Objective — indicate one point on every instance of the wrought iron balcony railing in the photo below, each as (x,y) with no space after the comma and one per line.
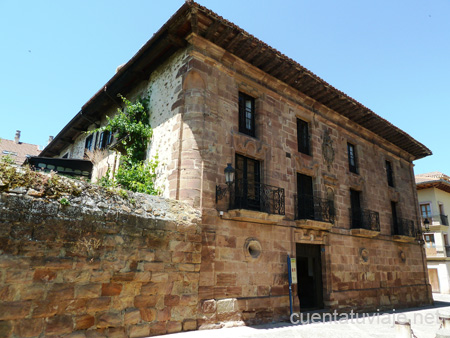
(438,219)
(257,196)
(314,208)
(364,219)
(404,227)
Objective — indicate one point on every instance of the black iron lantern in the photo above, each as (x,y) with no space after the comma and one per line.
(426,223)
(229,174)
(229,180)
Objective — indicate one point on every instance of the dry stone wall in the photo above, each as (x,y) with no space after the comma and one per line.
(94,263)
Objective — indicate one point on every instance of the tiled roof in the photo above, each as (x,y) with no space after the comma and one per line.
(18,151)
(433,179)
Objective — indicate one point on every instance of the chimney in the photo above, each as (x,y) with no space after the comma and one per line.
(50,139)
(17,137)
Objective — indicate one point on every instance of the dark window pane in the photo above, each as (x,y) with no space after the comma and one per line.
(390,174)
(246,114)
(352,158)
(303,136)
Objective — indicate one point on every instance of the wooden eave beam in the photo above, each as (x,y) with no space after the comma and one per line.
(212,29)
(237,39)
(254,51)
(223,36)
(260,58)
(289,75)
(176,40)
(193,18)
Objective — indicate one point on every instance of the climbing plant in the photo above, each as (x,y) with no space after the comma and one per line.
(132,129)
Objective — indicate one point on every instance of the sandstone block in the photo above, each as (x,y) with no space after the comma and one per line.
(88,291)
(148,314)
(132,316)
(172,327)
(84,322)
(109,319)
(98,304)
(44,275)
(6,328)
(138,331)
(14,310)
(163,315)
(116,332)
(157,328)
(111,289)
(59,325)
(29,327)
(171,300)
(189,325)
(226,305)
(145,301)
(61,291)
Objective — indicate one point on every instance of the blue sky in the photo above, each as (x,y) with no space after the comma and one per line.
(392,56)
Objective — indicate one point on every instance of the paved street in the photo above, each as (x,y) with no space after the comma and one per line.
(424,322)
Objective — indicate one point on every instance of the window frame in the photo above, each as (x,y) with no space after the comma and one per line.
(105,139)
(428,212)
(89,142)
(390,173)
(246,123)
(303,137)
(244,174)
(352,157)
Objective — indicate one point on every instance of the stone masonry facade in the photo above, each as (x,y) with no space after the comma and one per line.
(242,267)
(100,265)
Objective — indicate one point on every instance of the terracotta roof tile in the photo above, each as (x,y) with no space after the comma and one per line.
(18,151)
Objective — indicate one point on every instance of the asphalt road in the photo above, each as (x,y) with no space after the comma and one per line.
(424,323)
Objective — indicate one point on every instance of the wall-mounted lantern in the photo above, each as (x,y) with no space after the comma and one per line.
(229,180)
(426,224)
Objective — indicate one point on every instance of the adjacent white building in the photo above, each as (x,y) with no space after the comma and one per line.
(433,190)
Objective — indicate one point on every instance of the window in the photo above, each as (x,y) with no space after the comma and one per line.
(89,142)
(247,114)
(352,158)
(66,155)
(425,211)
(356,212)
(106,138)
(429,241)
(247,178)
(389,173)
(11,153)
(305,197)
(303,136)
(395,227)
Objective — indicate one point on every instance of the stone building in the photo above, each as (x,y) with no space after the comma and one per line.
(318,176)
(433,191)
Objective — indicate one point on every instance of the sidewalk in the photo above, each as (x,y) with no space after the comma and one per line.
(424,323)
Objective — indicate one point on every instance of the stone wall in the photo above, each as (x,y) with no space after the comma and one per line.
(94,263)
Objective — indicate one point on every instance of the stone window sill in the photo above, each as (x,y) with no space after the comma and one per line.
(313,224)
(364,233)
(252,216)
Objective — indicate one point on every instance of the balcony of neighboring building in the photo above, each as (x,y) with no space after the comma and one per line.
(436,246)
(437,222)
(312,212)
(364,222)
